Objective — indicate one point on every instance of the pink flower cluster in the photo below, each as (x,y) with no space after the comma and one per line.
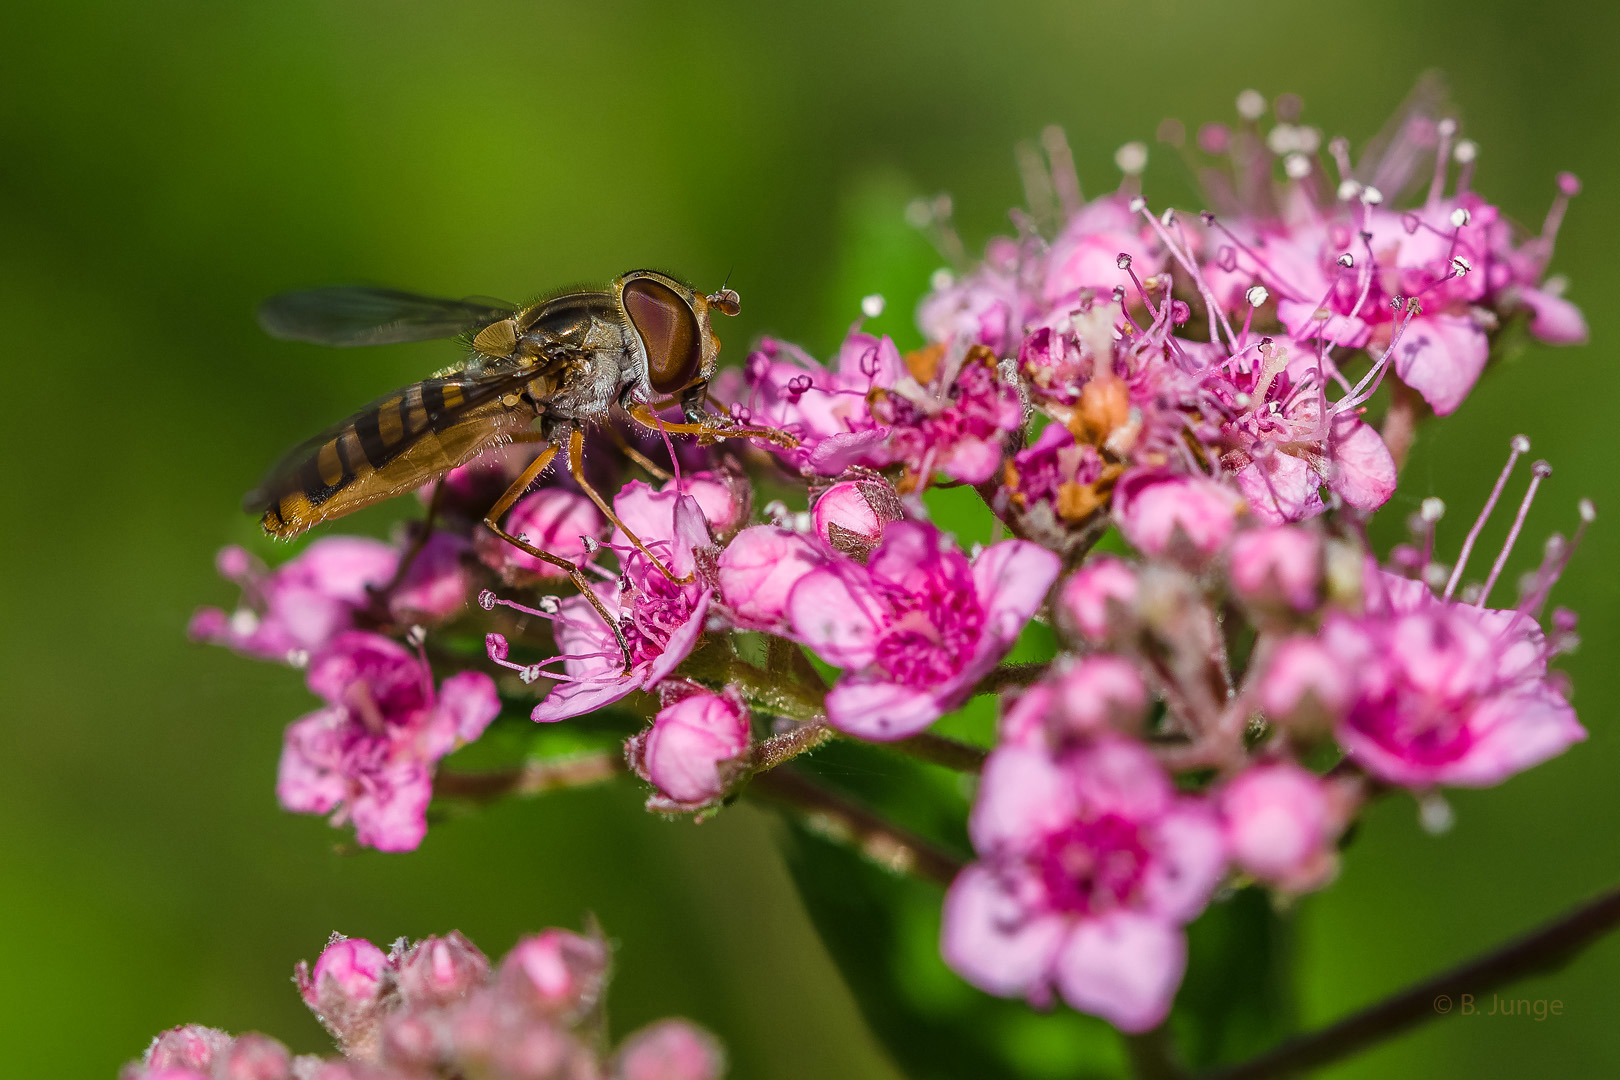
(1230,686)
(438,1008)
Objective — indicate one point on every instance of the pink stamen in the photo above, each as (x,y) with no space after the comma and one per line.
(1519,444)
(1538,472)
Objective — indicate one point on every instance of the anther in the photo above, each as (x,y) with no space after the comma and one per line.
(1371,195)
(416,635)
(1460,217)
(1348,190)
(1297,166)
(1347,260)
(1467,150)
(872,306)
(1587,510)
(1257,295)
(1137,205)
(919,213)
(1447,128)
(1460,265)
(590,544)
(1123,261)
(1432,509)
(1520,444)
(486,599)
(1251,105)
(548,605)
(941,280)
(1131,158)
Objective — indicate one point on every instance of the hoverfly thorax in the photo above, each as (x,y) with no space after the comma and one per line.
(671,324)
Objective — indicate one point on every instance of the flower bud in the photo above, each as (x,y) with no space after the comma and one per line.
(550,519)
(255,1057)
(851,516)
(724,497)
(669,1050)
(1281,822)
(556,972)
(438,583)
(1094,602)
(692,751)
(1098,693)
(759,568)
(346,992)
(1277,567)
(1305,686)
(440,970)
(1186,518)
(189,1047)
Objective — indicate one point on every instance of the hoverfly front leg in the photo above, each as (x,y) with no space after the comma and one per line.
(576,465)
(714,427)
(575,574)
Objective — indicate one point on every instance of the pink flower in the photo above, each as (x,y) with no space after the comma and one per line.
(368,756)
(917,627)
(1444,692)
(1185,516)
(724,497)
(1304,685)
(1095,599)
(1089,865)
(1086,254)
(955,422)
(1278,567)
(552,519)
(693,751)
(669,1050)
(758,570)
(191,1047)
(1082,698)
(1281,825)
(661,620)
(302,604)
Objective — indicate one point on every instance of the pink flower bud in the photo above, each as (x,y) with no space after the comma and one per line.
(1277,567)
(669,1050)
(850,517)
(759,568)
(190,1047)
(558,972)
(550,519)
(724,497)
(438,583)
(1098,693)
(1089,602)
(255,1057)
(1280,824)
(1187,518)
(1305,685)
(690,752)
(439,970)
(346,991)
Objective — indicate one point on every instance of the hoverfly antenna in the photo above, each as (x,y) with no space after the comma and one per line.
(726,300)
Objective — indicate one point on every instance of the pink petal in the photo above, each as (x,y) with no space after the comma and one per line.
(1023,797)
(1554,319)
(1280,488)
(1012,579)
(1441,356)
(1514,733)
(993,941)
(1363,472)
(832,611)
(1124,967)
(759,569)
(468,699)
(880,711)
(391,815)
(567,700)
(1189,861)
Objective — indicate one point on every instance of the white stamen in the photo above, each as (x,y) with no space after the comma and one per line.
(1297,166)
(1371,195)
(1257,295)
(919,213)
(1587,510)
(590,544)
(1307,140)
(1432,509)
(1280,140)
(416,635)
(1460,265)
(1131,158)
(244,621)
(1123,261)
(872,306)
(1137,205)
(1460,217)
(298,658)
(1348,190)
(548,604)
(941,280)
(1467,150)
(1434,575)
(1251,105)
(1556,285)
(1347,260)
(1168,218)
(1447,128)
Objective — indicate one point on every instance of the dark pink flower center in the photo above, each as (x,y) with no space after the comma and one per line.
(1093,866)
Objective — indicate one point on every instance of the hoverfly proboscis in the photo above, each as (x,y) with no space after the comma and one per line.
(535,374)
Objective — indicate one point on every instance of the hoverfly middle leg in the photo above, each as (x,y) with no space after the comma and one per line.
(635,455)
(576,465)
(575,574)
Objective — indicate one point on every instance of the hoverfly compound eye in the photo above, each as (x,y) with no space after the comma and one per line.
(669,330)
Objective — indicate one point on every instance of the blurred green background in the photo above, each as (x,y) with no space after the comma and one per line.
(165,165)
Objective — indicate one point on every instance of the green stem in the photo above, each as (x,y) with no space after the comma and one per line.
(942,750)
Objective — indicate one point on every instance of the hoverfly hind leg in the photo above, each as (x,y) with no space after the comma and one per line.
(575,574)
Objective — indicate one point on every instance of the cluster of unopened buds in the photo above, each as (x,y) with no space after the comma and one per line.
(437,1008)
(1171,418)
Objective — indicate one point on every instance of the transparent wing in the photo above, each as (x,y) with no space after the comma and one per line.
(349,315)
(1397,155)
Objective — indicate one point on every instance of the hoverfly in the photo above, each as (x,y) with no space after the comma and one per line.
(535,374)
